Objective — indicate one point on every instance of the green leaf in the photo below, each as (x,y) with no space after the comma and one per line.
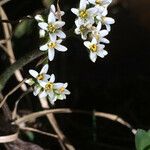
(25,27)
(142,140)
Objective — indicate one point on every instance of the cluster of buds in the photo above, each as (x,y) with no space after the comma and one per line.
(44,85)
(52,27)
(93,25)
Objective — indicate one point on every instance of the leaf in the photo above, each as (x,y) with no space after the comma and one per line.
(25,27)
(142,140)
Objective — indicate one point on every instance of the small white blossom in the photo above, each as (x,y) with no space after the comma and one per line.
(42,76)
(107,21)
(96,49)
(84,14)
(51,46)
(61,90)
(83,29)
(99,34)
(53,27)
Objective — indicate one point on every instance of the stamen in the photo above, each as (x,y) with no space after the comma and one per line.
(93,47)
(51,28)
(83,14)
(40,77)
(49,86)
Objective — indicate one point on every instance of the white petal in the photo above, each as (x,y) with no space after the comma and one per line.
(42,94)
(38,18)
(59,24)
(104,40)
(105,12)
(61,34)
(93,56)
(42,33)
(52,100)
(33,73)
(58,85)
(67,92)
(92,11)
(47,76)
(51,53)
(30,82)
(43,25)
(109,20)
(103,33)
(53,9)
(75,11)
(108,27)
(44,47)
(44,69)
(94,41)
(102,53)
(51,18)
(36,90)
(42,83)
(99,26)
(82,4)
(61,48)
(87,44)
(52,79)
(59,41)
(52,37)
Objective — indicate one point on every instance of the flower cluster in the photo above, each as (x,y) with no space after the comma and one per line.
(53,29)
(44,85)
(93,25)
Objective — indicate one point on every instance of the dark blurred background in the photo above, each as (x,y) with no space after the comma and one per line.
(117,84)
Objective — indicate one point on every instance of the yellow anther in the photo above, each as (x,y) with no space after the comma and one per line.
(82,28)
(62,89)
(51,45)
(49,86)
(98,2)
(83,14)
(93,47)
(40,77)
(51,28)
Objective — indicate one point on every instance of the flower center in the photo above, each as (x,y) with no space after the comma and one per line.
(93,47)
(82,28)
(40,77)
(51,45)
(98,2)
(62,89)
(51,28)
(83,14)
(49,86)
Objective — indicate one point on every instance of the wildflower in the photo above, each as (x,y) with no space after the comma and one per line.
(53,27)
(95,49)
(51,46)
(84,14)
(82,29)
(107,21)
(42,76)
(61,91)
(99,34)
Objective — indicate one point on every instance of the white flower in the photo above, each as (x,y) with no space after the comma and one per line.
(107,21)
(56,13)
(84,15)
(82,29)
(42,76)
(96,49)
(51,46)
(49,89)
(99,34)
(53,27)
(102,3)
(60,89)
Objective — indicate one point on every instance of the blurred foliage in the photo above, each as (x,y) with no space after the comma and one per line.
(142,140)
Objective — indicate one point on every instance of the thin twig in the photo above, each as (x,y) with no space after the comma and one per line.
(112,117)
(38,131)
(11,92)
(64,142)
(4,2)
